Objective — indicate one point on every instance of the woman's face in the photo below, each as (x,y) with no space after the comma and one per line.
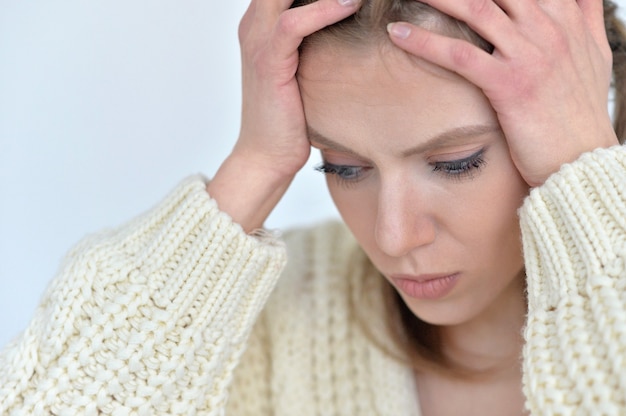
(422,175)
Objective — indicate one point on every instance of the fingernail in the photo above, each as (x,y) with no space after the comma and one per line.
(348,2)
(399,30)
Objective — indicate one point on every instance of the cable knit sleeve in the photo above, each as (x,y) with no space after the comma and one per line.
(147,319)
(574,233)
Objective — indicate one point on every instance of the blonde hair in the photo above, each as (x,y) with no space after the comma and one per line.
(368,26)
(418,340)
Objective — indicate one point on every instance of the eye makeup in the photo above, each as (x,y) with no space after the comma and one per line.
(346,174)
(456,169)
(463,168)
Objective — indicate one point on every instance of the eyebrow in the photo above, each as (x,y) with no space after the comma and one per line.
(451,137)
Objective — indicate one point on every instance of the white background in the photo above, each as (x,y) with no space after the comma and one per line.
(104,107)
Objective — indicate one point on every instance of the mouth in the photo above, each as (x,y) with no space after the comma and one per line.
(426,286)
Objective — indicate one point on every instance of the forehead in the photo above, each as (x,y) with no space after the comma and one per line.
(383,92)
(323,60)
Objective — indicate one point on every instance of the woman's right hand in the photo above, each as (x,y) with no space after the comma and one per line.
(272,144)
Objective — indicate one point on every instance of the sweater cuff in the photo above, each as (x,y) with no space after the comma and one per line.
(574,228)
(152,315)
(200,266)
(182,266)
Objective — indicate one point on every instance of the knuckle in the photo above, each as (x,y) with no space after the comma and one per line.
(323,9)
(462,55)
(480,8)
(287,23)
(242,31)
(246,24)
(558,36)
(424,42)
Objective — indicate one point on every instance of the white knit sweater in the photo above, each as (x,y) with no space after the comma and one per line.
(170,315)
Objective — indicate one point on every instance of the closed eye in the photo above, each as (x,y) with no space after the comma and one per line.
(344,173)
(461,168)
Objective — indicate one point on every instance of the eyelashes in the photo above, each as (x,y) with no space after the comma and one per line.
(458,169)
(461,168)
(345,172)
(346,175)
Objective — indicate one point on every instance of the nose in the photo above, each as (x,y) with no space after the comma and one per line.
(404,222)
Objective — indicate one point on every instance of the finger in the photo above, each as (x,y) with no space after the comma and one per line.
(264,11)
(271,8)
(297,23)
(285,4)
(582,21)
(518,10)
(486,18)
(456,55)
(246,20)
(593,14)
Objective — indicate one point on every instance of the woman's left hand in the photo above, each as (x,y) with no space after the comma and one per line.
(547,79)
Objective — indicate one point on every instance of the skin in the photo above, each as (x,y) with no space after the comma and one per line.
(366,112)
(366,109)
(548,77)
(546,83)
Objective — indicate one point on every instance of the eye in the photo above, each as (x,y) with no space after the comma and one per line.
(345,173)
(461,168)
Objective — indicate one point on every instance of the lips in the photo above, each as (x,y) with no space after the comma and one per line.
(426,286)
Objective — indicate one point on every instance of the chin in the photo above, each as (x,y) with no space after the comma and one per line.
(441,313)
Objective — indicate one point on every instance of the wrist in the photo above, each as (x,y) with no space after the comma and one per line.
(248,190)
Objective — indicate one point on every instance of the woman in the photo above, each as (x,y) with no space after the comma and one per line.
(433,135)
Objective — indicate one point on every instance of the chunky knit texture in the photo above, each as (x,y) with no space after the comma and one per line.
(574,233)
(147,319)
(154,317)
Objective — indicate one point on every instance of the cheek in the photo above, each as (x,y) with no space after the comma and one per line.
(494,210)
(357,206)
(476,220)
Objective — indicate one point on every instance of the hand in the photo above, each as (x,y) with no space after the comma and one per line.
(273,143)
(547,79)
(273,130)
